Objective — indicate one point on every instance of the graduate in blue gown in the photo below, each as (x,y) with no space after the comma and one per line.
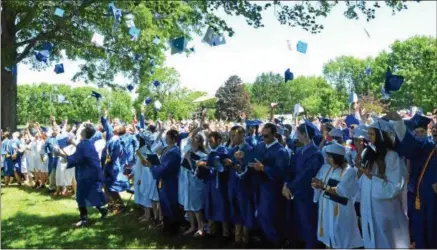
(131,145)
(88,174)
(114,179)
(16,149)
(51,143)
(241,187)
(270,164)
(166,175)
(215,173)
(422,199)
(10,155)
(304,166)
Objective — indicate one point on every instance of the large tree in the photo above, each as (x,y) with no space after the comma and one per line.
(232,99)
(27,24)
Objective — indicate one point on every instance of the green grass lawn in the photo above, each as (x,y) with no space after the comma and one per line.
(33,219)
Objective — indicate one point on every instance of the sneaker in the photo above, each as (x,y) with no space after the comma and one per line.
(81,223)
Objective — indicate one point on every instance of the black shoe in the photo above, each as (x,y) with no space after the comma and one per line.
(103,213)
(51,191)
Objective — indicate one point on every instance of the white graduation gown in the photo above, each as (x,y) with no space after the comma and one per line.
(339,231)
(142,191)
(384,223)
(64,176)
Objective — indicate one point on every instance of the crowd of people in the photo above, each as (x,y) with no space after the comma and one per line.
(352,182)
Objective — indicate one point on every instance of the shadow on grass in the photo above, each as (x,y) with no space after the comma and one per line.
(34,231)
(28,229)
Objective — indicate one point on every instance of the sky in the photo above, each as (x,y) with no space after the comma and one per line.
(253,51)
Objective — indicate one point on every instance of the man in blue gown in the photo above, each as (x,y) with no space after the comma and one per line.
(270,163)
(241,187)
(88,174)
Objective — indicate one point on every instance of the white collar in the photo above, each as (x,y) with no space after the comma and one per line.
(271,144)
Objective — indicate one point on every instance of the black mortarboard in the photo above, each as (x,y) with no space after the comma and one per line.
(148,100)
(96,95)
(59,68)
(392,82)
(418,121)
(288,75)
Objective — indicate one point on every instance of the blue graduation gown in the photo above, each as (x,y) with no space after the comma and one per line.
(269,202)
(14,144)
(88,175)
(304,166)
(48,148)
(8,162)
(166,176)
(131,145)
(423,220)
(242,188)
(115,180)
(216,202)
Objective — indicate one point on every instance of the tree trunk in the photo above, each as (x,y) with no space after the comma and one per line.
(8,100)
(9,78)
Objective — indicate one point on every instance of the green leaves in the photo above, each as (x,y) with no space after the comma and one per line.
(415,60)
(38,102)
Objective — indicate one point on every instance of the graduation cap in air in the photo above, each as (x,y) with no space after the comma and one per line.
(178,45)
(392,82)
(97,39)
(288,75)
(130,20)
(351,120)
(156,40)
(96,95)
(212,38)
(48,46)
(418,121)
(353,97)
(157,104)
(59,68)
(134,32)
(44,129)
(42,56)
(156,83)
(302,47)
(130,87)
(59,12)
(298,109)
(148,100)
(192,49)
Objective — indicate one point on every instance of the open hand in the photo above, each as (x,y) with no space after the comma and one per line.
(316,183)
(239,155)
(258,166)
(286,192)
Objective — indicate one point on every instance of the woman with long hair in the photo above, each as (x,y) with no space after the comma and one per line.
(335,187)
(192,190)
(383,221)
